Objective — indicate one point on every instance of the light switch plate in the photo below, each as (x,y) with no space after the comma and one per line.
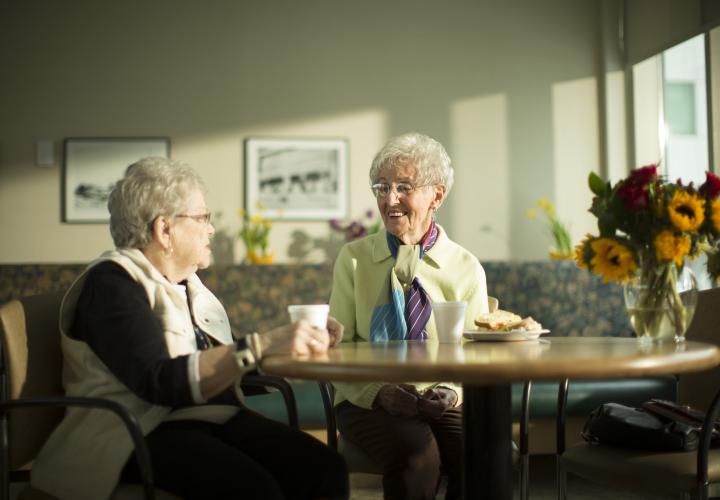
(44,153)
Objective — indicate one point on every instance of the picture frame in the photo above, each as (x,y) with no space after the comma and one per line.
(92,166)
(296,179)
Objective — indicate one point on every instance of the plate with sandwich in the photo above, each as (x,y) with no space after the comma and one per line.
(504,326)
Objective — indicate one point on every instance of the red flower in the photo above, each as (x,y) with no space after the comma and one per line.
(643,176)
(635,197)
(711,187)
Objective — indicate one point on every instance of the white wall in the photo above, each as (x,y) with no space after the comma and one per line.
(497,82)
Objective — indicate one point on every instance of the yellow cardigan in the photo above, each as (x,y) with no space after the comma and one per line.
(447,272)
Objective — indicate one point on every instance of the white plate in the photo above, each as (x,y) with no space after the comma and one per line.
(511,336)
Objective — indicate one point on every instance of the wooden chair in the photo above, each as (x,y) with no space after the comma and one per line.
(689,474)
(32,400)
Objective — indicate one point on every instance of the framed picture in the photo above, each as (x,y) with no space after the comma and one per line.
(296,179)
(92,166)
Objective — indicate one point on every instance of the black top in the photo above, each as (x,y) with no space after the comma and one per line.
(114,318)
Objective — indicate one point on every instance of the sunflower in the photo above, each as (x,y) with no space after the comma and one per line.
(612,260)
(715,217)
(582,252)
(686,210)
(670,246)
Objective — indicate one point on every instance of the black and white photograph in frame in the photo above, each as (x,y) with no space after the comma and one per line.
(92,166)
(296,179)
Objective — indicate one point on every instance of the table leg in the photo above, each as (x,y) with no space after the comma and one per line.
(487,423)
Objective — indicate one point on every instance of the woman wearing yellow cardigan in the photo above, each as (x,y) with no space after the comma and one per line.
(383,285)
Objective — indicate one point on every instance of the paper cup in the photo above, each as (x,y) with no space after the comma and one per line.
(449,320)
(315,314)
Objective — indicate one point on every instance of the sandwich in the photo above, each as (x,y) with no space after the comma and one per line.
(505,321)
(498,320)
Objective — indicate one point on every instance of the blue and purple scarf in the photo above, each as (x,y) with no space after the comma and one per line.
(404,315)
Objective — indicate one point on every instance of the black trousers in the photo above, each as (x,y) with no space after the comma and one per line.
(412,451)
(250,456)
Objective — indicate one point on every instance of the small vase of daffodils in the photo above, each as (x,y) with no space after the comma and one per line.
(254,233)
(563,249)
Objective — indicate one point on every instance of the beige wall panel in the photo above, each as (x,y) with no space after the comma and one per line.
(481,195)
(575,117)
(209,76)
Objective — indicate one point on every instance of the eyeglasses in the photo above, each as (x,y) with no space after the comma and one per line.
(382,189)
(202,218)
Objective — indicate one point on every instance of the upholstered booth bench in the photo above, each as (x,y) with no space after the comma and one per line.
(565,299)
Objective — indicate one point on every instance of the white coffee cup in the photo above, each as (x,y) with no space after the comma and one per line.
(449,320)
(315,314)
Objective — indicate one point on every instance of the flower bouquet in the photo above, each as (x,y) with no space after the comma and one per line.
(559,232)
(647,227)
(254,233)
(355,229)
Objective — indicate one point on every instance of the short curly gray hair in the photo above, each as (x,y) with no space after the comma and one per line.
(151,187)
(427,155)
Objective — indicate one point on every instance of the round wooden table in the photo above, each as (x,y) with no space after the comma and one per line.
(486,370)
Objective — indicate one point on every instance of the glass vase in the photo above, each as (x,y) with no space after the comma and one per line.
(661,302)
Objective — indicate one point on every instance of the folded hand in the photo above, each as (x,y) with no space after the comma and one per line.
(434,402)
(335,330)
(299,338)
(400,400)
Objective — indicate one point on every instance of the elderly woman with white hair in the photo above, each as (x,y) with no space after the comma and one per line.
(382,288)
(138,327)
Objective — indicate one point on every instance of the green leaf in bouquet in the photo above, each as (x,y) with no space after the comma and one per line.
(597,185)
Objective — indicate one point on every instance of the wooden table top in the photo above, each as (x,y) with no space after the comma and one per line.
(485,363)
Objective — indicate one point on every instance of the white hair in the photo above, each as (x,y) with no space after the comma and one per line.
(151,187)
(427,155)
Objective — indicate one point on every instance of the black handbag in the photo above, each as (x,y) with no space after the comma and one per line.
(670,410)
(618,425)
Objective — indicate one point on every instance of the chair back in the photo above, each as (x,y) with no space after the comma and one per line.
(698,389)
(30,366)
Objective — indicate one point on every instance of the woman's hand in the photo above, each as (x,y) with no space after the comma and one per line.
(434,402)
(299,338)
(335,329)
(400,400)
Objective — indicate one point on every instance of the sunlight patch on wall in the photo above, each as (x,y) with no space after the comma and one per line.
(478,206)
(647,94)
(576,151)
(616,130)
(219,159)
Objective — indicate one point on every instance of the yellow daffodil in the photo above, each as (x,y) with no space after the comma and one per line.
(254,233)
(561,235)
(686,211)
(612,260)
(546,205)
(671,247)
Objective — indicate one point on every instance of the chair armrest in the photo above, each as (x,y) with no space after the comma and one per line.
(131,424)
(327,393)
(283,386)
(563,389)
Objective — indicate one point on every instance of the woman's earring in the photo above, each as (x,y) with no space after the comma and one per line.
(167,252)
